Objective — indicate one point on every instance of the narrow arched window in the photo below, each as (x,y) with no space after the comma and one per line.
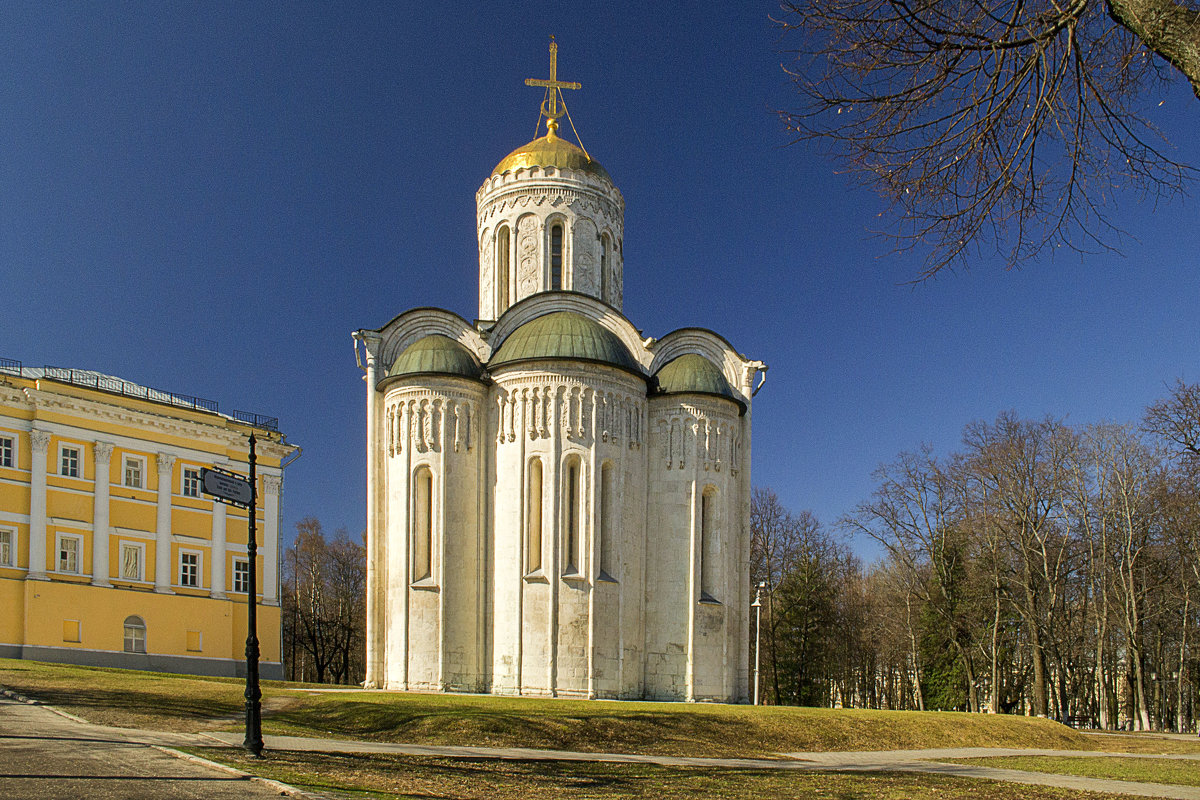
(556,256)
(573,526)
(135,635)
(709,564)
(533,518)
(502,270)
(604,260)
(422,524)
(608,555)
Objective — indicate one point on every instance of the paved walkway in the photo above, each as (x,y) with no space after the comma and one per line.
(48,754)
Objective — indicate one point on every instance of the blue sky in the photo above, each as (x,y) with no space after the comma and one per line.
(209,198)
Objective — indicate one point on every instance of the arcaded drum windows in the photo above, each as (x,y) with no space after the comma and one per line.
(502,269)
(533,518)
(709,564)
(422,524)
(556,256)
(572,527)
(135,635)
(605,258)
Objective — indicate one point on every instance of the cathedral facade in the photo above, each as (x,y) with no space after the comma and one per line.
(556,505)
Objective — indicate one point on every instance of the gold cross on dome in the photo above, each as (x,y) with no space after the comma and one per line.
(554,85)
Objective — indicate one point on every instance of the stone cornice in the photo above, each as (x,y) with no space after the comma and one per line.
(154,424)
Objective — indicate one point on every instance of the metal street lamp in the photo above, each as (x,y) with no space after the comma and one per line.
(757,606)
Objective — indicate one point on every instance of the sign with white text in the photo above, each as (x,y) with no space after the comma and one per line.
(227,487)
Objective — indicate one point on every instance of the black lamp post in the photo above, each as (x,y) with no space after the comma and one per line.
(253,741)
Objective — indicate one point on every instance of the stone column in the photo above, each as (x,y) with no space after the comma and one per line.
(40,441)
(102,452)
(162,528)
(270,542)
(218,550)
(375,553)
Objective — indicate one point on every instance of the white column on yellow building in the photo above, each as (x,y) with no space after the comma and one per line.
(162,528)
(218,550)
(102,452)
(40,441)
(270,544)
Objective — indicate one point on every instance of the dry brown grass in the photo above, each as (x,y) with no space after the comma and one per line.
(377,776)
(150,700)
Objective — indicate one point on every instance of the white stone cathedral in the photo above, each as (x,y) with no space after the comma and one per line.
(555,505)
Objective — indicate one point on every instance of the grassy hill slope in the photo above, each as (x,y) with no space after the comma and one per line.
(155,700)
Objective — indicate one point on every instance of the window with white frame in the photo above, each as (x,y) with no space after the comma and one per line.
(8,451)
(241,575)
(135,471)
(191,482)
(8,547)
(189,568)
(135,635)
(68,459)
(69,550)
(133,559)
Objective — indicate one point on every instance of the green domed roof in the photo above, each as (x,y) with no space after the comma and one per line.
(436,354)
(551,151)
(693,373)
(565,334)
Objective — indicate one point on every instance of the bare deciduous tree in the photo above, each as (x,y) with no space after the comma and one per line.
(1009,123)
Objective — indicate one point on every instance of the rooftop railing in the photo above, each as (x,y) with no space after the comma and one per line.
(105,383)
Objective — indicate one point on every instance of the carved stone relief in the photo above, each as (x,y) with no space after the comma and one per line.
(528,268)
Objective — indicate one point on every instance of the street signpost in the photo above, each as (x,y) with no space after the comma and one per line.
(232,489)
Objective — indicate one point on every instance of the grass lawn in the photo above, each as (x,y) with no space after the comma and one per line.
(368,776)
(154,700)
(1151,770)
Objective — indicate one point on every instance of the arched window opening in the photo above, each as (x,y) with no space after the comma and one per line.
(135,635)
(422,524)
(608,545)
(502,270)
(533,518)
(556,256)
(572,527)
(604,260)
(709,545)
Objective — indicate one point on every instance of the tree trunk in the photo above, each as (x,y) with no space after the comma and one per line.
(1170,29)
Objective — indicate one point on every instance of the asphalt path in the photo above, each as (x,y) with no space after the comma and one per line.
(47,756)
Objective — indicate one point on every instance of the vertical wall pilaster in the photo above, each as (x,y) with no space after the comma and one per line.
(40,443)
(162,526)
(270,544)
(102,453)
(218,550)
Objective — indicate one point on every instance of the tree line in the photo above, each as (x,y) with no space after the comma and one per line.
(1043,568)
(323,606)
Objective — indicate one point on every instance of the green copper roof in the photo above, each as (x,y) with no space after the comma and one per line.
(437,354)
(693,373)
(565,334)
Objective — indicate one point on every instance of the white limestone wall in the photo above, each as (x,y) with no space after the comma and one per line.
(552,633)
(437,634)
(528,202)
(693,625)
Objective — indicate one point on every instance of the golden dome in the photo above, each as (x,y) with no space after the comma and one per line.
(551,151)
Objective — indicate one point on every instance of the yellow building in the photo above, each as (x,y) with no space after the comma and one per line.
(110,553)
